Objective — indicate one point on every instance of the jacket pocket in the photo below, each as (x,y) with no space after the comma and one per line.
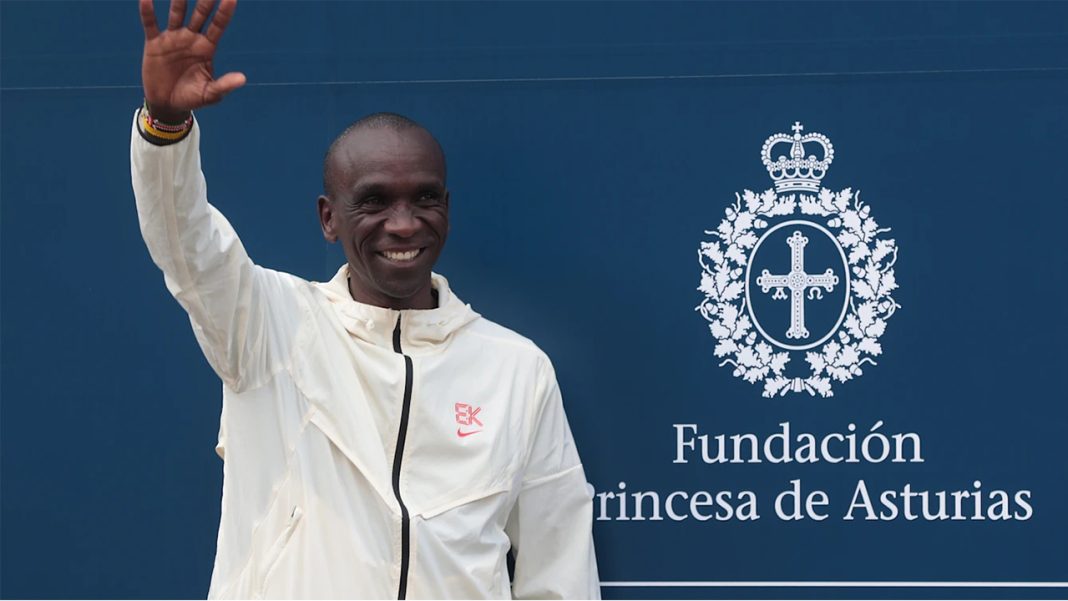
(274,553)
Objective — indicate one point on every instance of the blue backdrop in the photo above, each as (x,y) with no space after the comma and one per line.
(591,146)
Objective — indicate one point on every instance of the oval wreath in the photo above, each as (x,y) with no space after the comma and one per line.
(871,262)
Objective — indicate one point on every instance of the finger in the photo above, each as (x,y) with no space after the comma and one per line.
(200,15)
(222,86)
(177,14)
(148,19)
(221,20)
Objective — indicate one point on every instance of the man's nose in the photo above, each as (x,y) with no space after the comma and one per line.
(401,221)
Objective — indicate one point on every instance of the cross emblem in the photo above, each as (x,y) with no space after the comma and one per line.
(798,282)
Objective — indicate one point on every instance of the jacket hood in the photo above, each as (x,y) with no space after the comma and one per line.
(421,329)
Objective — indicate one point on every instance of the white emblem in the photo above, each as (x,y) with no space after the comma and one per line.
(798,269)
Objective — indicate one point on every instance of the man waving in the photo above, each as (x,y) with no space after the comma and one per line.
(380,438)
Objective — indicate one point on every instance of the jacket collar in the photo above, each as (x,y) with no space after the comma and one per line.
(421,330)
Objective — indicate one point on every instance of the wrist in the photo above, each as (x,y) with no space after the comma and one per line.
(162,131)
(167,116)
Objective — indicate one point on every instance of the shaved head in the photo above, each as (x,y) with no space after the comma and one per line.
(336,167)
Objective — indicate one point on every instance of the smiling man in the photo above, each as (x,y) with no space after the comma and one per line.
(379,437)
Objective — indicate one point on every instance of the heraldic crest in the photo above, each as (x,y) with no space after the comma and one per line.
(798,279)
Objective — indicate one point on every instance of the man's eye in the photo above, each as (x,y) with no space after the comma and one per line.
(429,197)
(371,201)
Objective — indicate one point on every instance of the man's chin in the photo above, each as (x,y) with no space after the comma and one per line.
(404,292)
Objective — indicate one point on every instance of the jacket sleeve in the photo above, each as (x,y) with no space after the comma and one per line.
(551,524)
(229,299)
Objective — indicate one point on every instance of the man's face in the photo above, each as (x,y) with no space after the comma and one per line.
(389,208)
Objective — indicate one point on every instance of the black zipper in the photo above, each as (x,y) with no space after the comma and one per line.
(402,589)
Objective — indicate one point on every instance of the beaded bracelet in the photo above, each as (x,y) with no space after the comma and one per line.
(157,131)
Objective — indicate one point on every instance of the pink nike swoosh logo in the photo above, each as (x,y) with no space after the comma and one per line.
(461,433)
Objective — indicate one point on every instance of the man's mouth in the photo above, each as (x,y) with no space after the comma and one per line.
(401,256)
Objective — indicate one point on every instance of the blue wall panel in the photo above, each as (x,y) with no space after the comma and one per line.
(590,146)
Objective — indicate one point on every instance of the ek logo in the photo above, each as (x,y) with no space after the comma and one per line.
(466,415)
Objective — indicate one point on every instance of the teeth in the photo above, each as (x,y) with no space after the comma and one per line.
(407,255)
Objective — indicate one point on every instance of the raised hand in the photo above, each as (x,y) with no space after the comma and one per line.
(176,69)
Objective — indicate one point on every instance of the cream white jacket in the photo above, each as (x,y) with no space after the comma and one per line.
(367,452)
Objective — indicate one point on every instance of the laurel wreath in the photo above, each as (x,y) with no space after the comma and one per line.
(871,260)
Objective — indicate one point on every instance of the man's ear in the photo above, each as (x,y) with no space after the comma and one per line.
(326,219)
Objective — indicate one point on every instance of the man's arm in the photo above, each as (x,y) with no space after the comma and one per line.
(550,526)
(204,264)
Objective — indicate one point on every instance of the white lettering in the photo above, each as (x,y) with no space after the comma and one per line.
(884,444)
(1023,498)
(861,492)
(681,443)
(639,514)
(784,436)
(700,499)
(669,506)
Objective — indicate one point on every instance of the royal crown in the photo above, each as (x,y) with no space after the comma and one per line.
(797,171)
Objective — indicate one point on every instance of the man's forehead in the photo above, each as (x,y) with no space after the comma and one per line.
(385,145)
(397,154)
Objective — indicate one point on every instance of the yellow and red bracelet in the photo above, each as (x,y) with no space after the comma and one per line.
(160,131)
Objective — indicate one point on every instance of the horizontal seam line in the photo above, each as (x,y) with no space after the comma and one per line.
(578,79)
(831,584)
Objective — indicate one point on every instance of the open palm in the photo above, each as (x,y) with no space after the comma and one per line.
(176,69)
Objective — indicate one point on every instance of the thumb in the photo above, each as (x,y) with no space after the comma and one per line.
(222,86)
